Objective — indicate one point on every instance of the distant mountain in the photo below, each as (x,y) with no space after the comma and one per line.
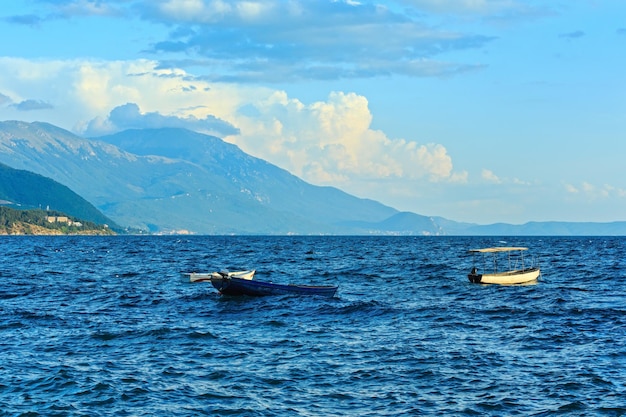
(540,229)
(407,224)
(404,223)
(176,180)
(248,180)
(24,189)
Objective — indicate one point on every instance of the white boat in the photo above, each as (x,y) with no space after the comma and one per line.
(207,276)
(517,272)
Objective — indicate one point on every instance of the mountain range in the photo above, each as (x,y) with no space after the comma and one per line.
(173,180)
(177,181)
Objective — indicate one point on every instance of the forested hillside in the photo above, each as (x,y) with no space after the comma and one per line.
(28,190)
(40,222)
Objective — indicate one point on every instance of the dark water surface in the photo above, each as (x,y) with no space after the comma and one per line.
(95,326)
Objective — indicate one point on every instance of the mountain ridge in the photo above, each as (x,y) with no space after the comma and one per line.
(233,193)
(172,180)
(25,189)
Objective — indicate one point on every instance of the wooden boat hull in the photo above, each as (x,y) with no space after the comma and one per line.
(506,278)
(237,286)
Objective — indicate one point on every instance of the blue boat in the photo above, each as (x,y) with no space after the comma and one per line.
(231,285)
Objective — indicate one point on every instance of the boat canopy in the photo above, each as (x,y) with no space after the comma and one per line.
(498,249)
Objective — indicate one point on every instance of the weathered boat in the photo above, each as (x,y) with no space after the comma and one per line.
(206,276)
(233,285)
(518,271)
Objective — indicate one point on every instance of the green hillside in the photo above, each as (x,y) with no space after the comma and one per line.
(28,190)
(38,222)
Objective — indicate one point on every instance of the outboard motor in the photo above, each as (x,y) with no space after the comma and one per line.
(474,276)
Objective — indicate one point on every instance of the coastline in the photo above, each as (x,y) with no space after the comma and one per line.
(25,229)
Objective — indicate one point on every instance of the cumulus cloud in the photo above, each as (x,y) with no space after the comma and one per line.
(128,116)
(489,175)
(331,142)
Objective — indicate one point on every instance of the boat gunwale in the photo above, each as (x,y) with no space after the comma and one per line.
(250,287)
(269,284)
(511,273)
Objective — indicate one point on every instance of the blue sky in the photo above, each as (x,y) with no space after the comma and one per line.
(481,111)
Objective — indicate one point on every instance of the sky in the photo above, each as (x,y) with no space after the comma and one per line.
(479,111)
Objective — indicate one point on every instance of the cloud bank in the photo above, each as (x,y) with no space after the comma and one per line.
(327,142)
(274,41)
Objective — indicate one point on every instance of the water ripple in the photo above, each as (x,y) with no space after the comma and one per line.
(95,326)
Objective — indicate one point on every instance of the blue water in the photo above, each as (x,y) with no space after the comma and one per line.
(99,326)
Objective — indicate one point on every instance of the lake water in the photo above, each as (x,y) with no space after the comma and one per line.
(98,326)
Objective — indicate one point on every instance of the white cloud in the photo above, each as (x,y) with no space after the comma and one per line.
(331,141)
(325,142)
(211,11)
(459,177)
(490,176)
(590,191)
(277,41)
(83,90)
(191,9)
(587,188)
